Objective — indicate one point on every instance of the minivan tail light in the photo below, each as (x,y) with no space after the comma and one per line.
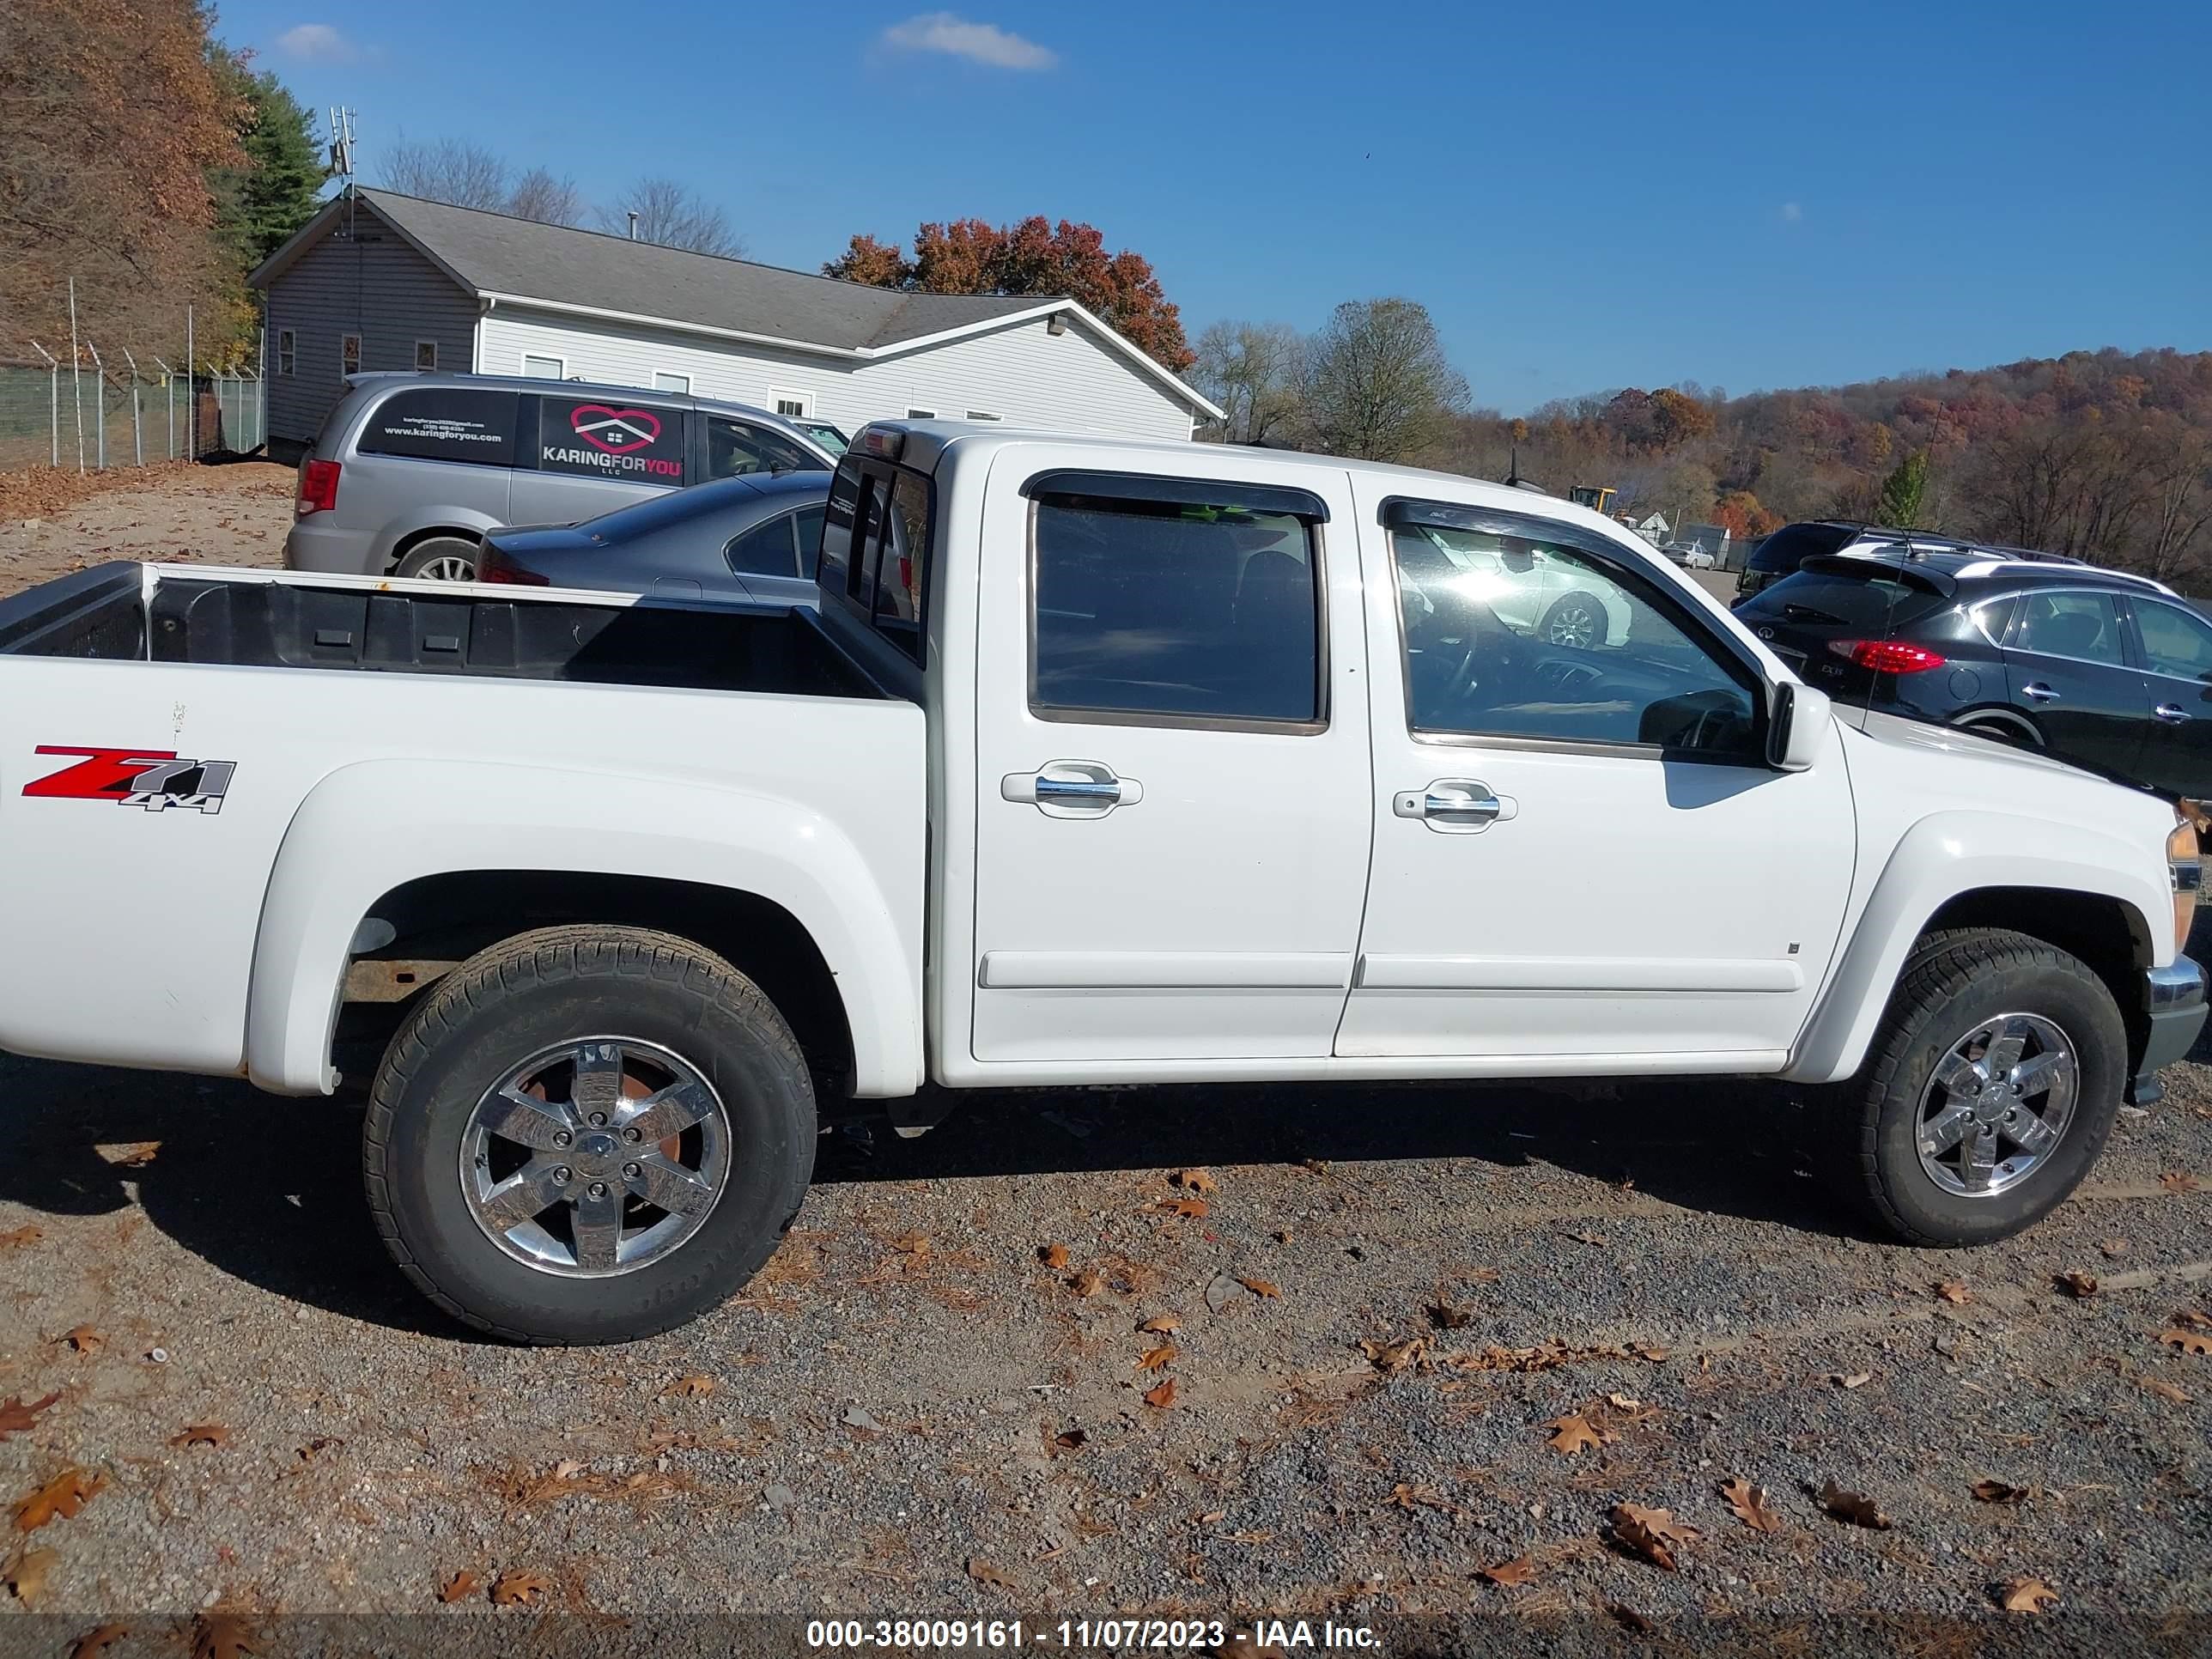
(319,488)
(1887,656)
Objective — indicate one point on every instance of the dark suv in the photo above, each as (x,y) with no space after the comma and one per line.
(2110,671)
(1782,553)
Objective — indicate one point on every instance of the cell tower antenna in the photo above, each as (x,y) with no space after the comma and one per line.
(342,141)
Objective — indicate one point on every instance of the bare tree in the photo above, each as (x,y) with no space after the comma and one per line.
(1254,371)
(551,201)
(669,214)
(1378,385)
(447,170)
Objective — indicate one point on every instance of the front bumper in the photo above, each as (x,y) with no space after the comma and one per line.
(2174,1011)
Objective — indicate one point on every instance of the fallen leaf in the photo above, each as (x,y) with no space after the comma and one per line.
(1572,1433)
(1161,1325)
(1162,1397)
(2114,1247)
(1054,1256)
(223,1635)
(136,1156)
(911,1244)
(517,1588)
(1190,1209)
(690,1388)
(1849,1380)
(1070,1439)
(1653,1534)
(1391,1357)
(1445,1317)
(1507,1574)
(984,1573)
(1259,1287)
(2178,1181)
(95,1641)
(1853,1507)
(1627,1618)
(2075,1284)
(2027,1595)
(1195,1181)
(201,1434)
(1954,1291)
(27,1575)
(63,1496)
(16,1236)
(15,1416)
(83,1339)
(1086,1282)
(1996,1491)
(2191,1316)
(2189,1341)
(1156,1357)
(461,1586)
(1750,1504)
(2167,1391)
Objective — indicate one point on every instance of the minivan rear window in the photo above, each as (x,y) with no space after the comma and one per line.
(630,442)
(443,423)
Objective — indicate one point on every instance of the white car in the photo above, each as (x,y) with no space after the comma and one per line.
(1101,762)
(1690,556)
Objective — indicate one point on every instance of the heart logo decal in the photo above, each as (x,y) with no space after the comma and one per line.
(616,431)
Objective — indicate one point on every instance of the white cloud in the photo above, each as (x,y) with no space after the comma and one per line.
(1791,213)
(316,43)
(979,43)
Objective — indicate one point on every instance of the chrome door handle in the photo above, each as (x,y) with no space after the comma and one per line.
(2172,712)
(2037,691)
(1071,789)
(1461,806)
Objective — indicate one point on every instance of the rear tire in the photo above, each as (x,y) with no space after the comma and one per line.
(650,1012)
(440,559)
(1577,620)
(2013,1129)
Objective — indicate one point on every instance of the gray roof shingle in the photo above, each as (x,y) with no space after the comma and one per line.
(493,253)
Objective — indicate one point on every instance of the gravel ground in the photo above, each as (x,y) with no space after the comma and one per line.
(1394,1298)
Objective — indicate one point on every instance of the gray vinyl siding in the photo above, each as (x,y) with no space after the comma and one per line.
(381,289)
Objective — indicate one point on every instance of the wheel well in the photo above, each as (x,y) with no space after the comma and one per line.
(2103,933)
(2000,716)
(415,538)
(450,917)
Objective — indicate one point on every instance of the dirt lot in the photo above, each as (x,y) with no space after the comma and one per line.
(206,514)
(1421,1333)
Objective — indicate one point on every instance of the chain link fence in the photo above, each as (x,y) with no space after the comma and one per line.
(118,405)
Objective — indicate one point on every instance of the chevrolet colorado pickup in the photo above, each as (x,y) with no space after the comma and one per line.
(1100,762)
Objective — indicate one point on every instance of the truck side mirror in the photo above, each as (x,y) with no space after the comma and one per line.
(1798,726)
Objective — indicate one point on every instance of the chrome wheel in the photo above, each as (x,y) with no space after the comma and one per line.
(1572,623)
(450,568)
(596,1158)
(1998,1105)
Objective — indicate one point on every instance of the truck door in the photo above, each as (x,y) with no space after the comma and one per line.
(1172,771)
(1579,852)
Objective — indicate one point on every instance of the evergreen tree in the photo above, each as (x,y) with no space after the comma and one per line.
(1903,493)
(279,188)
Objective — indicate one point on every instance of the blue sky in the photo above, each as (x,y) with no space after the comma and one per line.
(1585,196)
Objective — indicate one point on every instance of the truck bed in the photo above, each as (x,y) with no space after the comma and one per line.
(148,613)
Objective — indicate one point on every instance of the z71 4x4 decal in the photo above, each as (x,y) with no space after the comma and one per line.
(155,779)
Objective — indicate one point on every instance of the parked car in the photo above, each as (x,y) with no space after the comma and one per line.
(647,892)
(751,538)
(1691,556)
(1530,589)
(1778,555)
(409,471)
(832,438)
(2109,671)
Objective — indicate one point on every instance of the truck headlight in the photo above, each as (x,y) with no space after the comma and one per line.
(2188,871)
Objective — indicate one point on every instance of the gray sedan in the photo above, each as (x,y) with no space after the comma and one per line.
(752,536)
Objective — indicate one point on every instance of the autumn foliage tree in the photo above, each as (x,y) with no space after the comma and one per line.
(1034,256)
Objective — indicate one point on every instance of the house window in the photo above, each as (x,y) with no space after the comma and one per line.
(350,354)
(667,382)
(794,405)
(288,345)
(426,354)
(922,414)
(544,369)
(983,414)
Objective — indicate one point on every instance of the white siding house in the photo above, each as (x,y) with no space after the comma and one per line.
(374,276)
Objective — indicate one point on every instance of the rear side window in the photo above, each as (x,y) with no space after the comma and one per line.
(444,424)
(735,447)
(1198,604)
(634,443)
(766,550)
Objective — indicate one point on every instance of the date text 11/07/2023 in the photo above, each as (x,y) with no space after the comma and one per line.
(1262,1637)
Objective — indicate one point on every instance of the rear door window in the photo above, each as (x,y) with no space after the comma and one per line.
(2175,643)
(2083,626)
(444,424)
(631,442)
(734,447)
(766,550)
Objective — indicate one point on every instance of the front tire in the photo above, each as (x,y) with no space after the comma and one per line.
(1990,1089)
(588,1135)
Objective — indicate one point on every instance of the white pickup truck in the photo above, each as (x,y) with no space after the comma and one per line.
(1102,762)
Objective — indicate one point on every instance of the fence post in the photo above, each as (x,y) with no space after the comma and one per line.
(137,440)
(76,376)
(53,404)
(99,399)
(192,403)
(253,429)
(169,395)
(216,375)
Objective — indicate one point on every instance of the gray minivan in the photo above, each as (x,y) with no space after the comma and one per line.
(409,471)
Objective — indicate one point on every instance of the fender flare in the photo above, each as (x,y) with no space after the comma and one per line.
(466,520)
(375,825)
(1945,856)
